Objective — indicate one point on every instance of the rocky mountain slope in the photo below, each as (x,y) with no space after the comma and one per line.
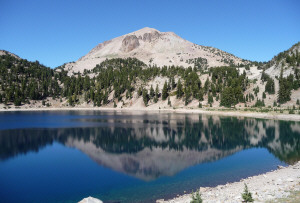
(288,60)
(155,48)
(133,83)
(3,53)
(284,69)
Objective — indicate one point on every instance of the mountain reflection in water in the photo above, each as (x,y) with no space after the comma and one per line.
(151,146)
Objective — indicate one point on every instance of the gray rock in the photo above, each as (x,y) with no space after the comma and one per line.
(148,37)
(90,200)
(130,43)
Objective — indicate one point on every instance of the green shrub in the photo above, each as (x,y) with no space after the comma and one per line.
(196,197)
(247,196)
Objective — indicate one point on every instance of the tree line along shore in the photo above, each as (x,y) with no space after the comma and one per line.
(117,82)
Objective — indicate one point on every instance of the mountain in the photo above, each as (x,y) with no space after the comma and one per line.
(132,83)
(288,60)
(7,53)
(284,70)
(155,48)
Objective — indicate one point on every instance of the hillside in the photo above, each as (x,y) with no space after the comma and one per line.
(155,48)
(24,82)
(131,83)
(288,60)
(284,71)
(3,53)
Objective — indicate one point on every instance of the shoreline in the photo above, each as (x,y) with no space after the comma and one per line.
(238,113)
(274,185)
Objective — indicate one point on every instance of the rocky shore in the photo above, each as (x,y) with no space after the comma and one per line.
(220,112)
(270,186)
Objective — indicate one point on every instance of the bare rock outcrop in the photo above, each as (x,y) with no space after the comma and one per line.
(129,43)
(148,37)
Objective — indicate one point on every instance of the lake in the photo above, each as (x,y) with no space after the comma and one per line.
(65,156)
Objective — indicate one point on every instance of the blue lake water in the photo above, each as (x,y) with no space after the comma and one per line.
(134,157)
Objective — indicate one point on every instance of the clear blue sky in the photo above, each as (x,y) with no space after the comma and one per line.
(58,31)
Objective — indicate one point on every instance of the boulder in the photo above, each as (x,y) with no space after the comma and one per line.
(90,200)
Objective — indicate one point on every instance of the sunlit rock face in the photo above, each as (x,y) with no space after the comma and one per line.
(150,146)
(129,43)
(154,48)
(274,66)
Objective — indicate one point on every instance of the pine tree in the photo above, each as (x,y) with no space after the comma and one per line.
(86,96)
(105,97)
(140,91)
(201,95)
(210,98)
(157,91)
(156,94)
(173,82)
(270,86)
(187,95)
(165,91)
(227,97)
(195,91)
(152,93)
(206,85)
(284,93)
(17,101)
(169,85)
(70,100)
(213,90)
(179,92)
(145,97)
(169,101)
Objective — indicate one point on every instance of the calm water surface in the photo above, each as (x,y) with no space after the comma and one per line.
(133,157)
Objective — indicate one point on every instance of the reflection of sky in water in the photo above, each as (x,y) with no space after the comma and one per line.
(128,157)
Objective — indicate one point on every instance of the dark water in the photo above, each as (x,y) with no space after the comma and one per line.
(133,157)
